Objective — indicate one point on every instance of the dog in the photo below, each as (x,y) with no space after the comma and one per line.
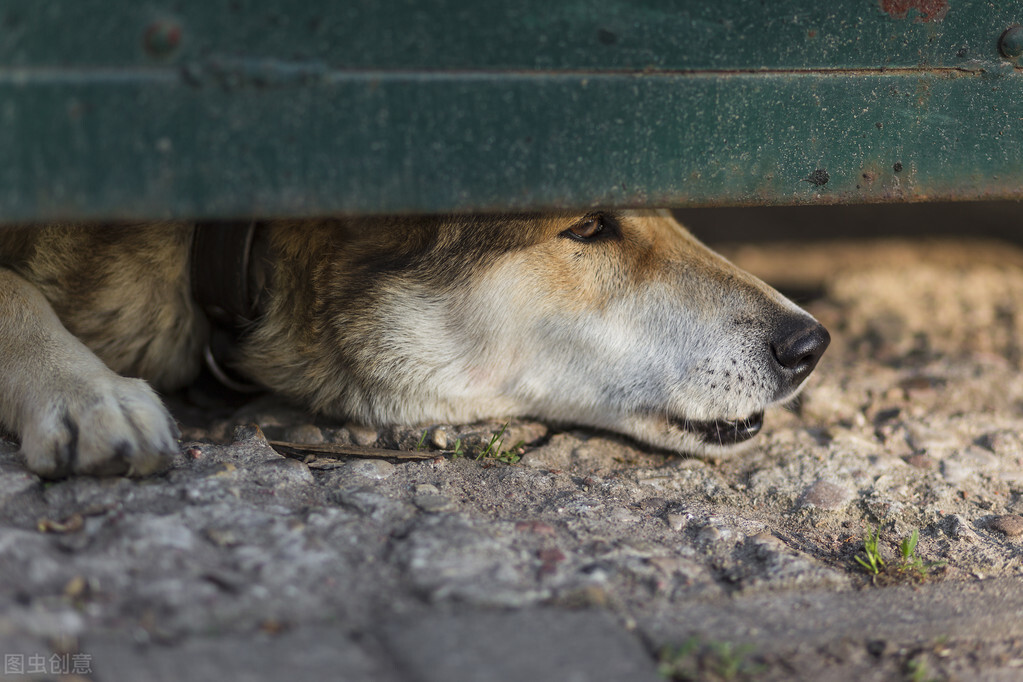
(618,320)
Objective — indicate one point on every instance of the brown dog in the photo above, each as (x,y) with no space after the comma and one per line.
(617,320)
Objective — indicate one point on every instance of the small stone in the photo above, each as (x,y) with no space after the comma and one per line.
(376,469)
(1004,444)
(826,495)
(623,515)
(222,537)
(958,528)
(304,433)
(363,435)
(676,521)
(927,439)
(15,480)
(433,503)
(249,432)
(768,540)
(439,438)
(710,535)
(555,455)
(526,432)
(653,504)
(1010,524)
(283,472)
(429,499)
(921,461)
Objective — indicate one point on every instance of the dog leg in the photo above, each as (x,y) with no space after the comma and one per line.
(72,413)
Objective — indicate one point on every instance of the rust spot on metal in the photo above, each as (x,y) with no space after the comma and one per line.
(929,10)
(818,178)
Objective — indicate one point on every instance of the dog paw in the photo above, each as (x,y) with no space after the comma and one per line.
(114,426)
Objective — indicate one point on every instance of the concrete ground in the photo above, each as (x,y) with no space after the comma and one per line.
(575,555)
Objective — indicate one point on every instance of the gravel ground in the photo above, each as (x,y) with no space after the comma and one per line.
(575,555)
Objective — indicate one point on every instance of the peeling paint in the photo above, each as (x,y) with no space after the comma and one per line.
(929,10)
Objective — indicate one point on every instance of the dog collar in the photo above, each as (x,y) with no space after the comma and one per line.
(221,260)
(227,288)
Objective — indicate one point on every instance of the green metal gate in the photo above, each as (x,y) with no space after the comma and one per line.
(120,109)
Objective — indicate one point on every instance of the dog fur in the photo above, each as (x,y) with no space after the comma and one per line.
(615,320)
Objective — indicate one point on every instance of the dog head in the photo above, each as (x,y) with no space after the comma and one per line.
(616,320)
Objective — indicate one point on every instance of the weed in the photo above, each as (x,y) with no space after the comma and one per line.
(458,451)
(695,660)
(513,454)
(494,446)
(422,439)
(674,663)
(916,670)
(909,567)
(495,449)
(873,563)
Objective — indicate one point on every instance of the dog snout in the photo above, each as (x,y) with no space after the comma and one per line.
(799,342)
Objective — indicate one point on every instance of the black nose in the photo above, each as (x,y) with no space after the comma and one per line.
(799,342)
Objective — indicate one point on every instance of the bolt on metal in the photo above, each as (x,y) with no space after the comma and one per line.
(1010,44)
(162,38)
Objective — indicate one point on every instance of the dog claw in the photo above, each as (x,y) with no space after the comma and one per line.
(124,430)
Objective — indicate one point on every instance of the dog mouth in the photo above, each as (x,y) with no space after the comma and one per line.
(723,431)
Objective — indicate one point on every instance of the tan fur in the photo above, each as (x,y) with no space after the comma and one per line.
(386,320)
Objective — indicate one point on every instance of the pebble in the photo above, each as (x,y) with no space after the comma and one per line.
(363,435)
(439,438)
(433,503)
(376,469)
(921,461)
(768,541)
(1005,444)
(623,515)
(710,534)
(222,537)
(527,432)
(931,440)
(283,472)
(676,521)
(958,528)
(1010,524)
(304,433)
(429,499)
(249,432)
(653,504)
(15,480)
(826,495)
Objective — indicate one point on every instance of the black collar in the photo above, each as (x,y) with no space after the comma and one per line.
(227,283)
(221,272)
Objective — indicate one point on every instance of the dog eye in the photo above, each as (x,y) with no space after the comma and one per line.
(586,230)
